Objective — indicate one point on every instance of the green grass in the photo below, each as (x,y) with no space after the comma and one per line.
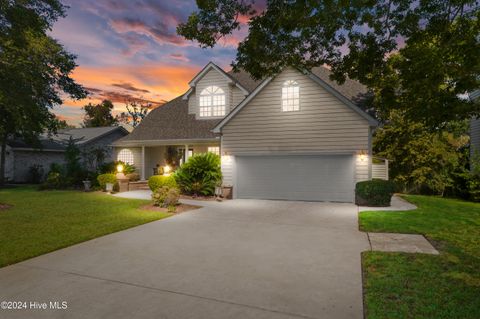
(401,285)
(43,221)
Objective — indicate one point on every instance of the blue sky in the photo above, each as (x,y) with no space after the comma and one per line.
(129,49)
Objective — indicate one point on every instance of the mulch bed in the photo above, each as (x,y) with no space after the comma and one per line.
(4,206)
(180,208)
(201,198)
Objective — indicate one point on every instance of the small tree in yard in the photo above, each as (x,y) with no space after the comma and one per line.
(199,175)
(73,168)
(98,115)
(136,112)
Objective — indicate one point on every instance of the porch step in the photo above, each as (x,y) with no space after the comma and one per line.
(140,185)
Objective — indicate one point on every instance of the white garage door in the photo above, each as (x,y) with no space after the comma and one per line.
(309,178)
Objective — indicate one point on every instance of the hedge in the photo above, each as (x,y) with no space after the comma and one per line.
(376,192)
(157,181)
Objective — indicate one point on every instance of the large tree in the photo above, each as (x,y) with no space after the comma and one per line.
(97,115)
(417,56)
(34,71)
(422,160)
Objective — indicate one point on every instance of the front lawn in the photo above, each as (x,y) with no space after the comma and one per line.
(401,285)
(40,222)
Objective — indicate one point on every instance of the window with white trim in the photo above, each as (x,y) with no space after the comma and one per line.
(212,102)
(125,156)
(290,96)
(214,150)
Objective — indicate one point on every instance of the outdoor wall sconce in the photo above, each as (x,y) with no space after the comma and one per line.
(166,170)
(363,156)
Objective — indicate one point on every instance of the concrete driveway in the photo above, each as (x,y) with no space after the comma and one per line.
(236,259)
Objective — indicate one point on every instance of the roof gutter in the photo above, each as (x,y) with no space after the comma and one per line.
(165,142)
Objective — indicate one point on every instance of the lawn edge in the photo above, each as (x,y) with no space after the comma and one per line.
(89,239)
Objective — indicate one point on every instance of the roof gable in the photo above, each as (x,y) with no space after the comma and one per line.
(212,66)
(322,83)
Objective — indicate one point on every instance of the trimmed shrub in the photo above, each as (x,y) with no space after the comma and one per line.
(199,175)
(133,177)
(376,192)
(54,180)
(166,197)
(103,179)
(157,181)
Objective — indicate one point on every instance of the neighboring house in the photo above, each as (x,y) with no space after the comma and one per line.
(21,156)
(475,129)
(295,136)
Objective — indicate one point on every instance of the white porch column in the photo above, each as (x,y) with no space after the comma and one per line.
(143,163)
(186,153)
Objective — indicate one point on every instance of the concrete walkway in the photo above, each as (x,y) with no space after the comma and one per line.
(397,204)
(235,259)
(407,243)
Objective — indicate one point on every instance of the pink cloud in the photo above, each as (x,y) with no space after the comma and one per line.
(160,32)
(179,57)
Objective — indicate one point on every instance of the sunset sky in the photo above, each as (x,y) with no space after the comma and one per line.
(130,49)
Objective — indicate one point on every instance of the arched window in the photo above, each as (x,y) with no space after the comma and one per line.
(125,156)
(290,96)
(212,102)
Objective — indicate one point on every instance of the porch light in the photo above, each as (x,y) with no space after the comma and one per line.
(363,156)
(119,168)
(166,170)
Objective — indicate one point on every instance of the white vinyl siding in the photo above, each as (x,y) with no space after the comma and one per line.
(237,97)
(379,171)
(323,124)
(228,167)
(192,103)
(361,168)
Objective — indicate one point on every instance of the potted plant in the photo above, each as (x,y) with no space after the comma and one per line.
(109,187)
(107,181)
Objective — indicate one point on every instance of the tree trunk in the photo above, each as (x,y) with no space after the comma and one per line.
(2,160)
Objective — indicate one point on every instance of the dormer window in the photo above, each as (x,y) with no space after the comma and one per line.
(212,102)
(290,96)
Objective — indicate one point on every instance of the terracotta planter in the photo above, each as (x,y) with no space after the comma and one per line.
(227,192)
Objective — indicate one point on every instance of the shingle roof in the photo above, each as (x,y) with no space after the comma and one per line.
(81,136)
(172,121)
(244,79)
(351,89)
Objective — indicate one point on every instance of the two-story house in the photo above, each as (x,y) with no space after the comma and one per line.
(295,136)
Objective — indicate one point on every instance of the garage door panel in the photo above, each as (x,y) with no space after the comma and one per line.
(312,178)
